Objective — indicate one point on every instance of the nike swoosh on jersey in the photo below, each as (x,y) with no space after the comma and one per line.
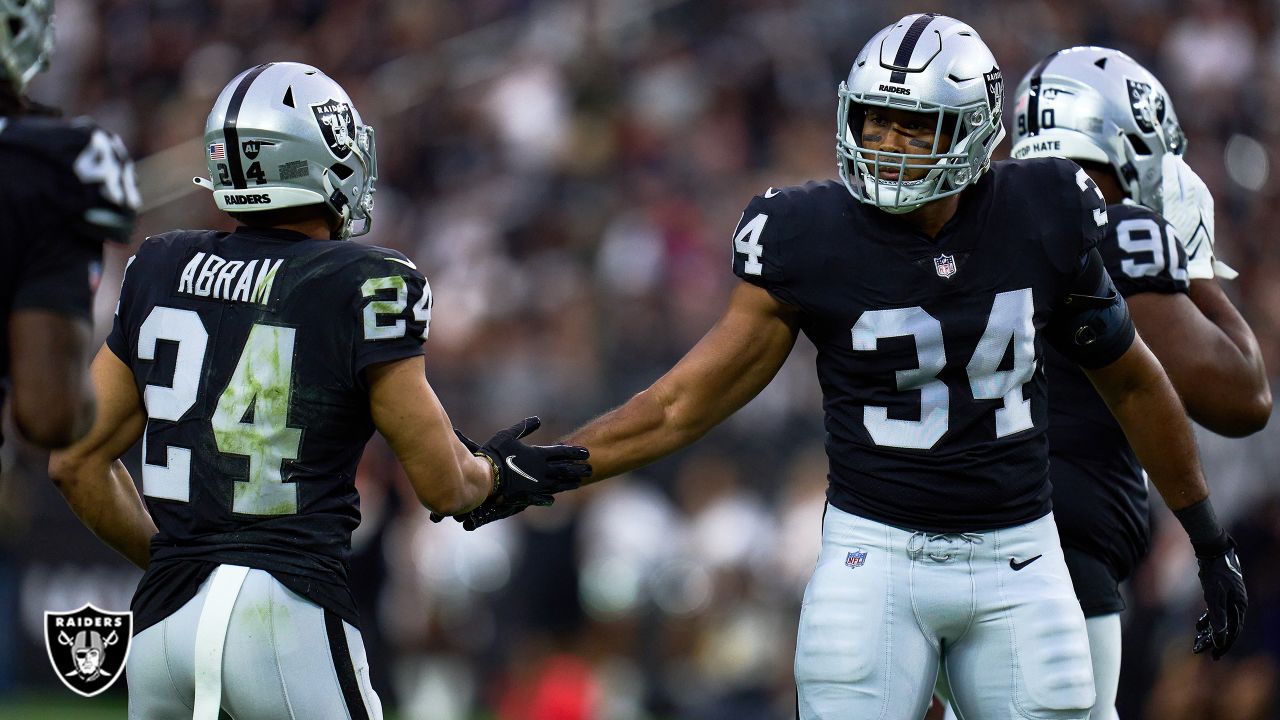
(402,262)
(1019,565)
(771,192)
(511,463)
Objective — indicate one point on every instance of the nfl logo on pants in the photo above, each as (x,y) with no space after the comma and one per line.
(856,559)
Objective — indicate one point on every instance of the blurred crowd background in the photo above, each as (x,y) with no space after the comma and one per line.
(567,174)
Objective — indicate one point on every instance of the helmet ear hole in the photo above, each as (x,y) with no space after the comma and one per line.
(342,171)
(15,26)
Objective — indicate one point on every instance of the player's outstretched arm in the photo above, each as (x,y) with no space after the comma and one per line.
(1144,402)
(731,364)
(445,476)
(1210,354)
(52,401)
(89,474)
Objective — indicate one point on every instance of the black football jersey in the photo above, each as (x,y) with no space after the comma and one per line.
(67,186)
(248,350)
(930,351)
(1099,490)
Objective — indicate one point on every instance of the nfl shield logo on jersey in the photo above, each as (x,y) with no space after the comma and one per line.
(945,265)
(88,647)
(856,559)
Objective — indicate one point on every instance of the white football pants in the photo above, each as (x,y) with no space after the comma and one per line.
(248,645)
(1104,648)
(997,605)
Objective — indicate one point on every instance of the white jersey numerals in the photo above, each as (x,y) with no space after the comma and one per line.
(747,242)
(105,161)
(251,418)
(1009,324)
(1140,239)
(1084,182)
(371,288)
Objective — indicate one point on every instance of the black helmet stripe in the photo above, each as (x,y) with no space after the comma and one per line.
(1033,95)
(230,133)
(908,46)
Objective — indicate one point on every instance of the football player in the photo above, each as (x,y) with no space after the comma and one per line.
(254,365)
(68,185)
(1115,119)
(931,282)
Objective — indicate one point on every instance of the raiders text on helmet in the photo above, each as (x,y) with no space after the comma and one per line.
(1099,105)
(930,64)
(285,134)
(26,39)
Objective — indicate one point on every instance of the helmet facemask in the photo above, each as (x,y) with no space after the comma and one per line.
(967,135)
(26,40)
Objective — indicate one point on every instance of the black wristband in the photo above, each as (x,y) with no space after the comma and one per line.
(1207,536)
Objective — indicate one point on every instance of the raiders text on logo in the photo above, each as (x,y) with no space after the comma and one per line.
(88,647)
(336,125)
(258,199)
(895,89)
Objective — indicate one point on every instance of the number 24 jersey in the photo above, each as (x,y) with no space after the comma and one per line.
(248,349)
(930,351)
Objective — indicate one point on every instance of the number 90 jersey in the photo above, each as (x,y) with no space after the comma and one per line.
(930,350)
(248,350)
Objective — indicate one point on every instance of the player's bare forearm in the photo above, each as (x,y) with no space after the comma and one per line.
(51,398)
(731,364)
(1210,355)
(445,476)
(108,504)
(1242,360)
(1145,404)
(89,475)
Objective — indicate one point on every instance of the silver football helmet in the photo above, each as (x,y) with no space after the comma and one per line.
(1097,104)
(283,135)
(926,63)
(26,39)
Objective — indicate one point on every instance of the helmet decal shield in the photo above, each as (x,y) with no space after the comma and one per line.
(336,125)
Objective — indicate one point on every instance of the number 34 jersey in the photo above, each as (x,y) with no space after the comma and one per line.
(248,349)
(930,351)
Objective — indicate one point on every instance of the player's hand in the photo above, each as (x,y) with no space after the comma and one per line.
(1225,595)
(527,474)
(1188,206)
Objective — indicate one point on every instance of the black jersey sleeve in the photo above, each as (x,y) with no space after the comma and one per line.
(391,307)
(58,274)
(124,324)
(1092,326)
(1142,253)
(764,238)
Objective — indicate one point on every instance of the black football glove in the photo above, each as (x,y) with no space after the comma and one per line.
(527,474)
(1224,593)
